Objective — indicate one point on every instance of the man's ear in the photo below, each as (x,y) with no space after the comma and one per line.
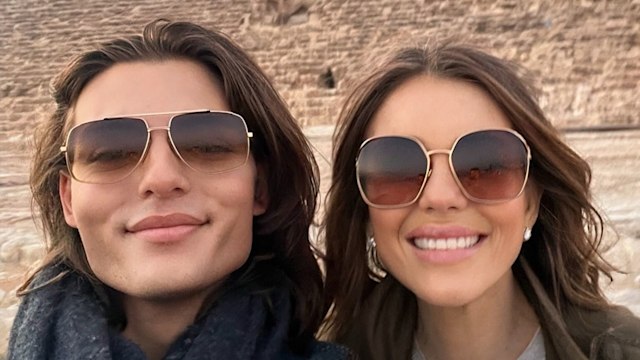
(64,190)
(261,191)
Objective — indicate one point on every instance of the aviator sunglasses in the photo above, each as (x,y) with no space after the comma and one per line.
(108,150)
(489,166)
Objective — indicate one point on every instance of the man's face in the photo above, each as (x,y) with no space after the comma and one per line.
(165,231)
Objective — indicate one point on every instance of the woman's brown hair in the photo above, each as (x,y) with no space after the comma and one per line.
(281,235)
(563,251)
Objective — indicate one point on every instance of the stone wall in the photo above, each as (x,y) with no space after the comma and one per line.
(584,54)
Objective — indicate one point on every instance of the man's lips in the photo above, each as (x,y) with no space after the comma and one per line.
(165,221)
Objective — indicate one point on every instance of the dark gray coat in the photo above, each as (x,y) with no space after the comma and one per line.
(67,320)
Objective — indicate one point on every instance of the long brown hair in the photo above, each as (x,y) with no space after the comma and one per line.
(281,235)
(566,238)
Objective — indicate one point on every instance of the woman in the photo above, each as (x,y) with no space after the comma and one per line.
(465,228)
(171,232)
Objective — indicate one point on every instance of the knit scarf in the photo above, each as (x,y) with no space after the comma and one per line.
(67,320)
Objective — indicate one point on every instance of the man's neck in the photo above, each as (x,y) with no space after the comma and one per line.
(498,325)
(155,324)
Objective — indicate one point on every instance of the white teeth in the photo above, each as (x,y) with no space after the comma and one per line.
(453,243)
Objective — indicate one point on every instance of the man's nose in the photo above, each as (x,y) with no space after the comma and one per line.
(163,173)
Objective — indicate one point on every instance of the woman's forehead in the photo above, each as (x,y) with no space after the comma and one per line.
(436,110)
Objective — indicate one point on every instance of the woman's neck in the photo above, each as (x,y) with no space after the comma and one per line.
(497,325)
(155,324)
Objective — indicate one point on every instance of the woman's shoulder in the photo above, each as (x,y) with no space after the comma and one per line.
(624,320)
(622,336)
(614,332)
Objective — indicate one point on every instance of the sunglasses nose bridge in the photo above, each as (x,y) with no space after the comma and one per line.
(438,151)
(429,170)
(154,128)
(429,173)
(435,152)
(150,130)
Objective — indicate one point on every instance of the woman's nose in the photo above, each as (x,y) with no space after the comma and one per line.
(441,191)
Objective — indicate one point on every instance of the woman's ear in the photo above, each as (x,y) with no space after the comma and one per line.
(261,191)
(64,190)
(533,194)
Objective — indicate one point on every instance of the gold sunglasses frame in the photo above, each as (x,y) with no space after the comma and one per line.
(174,114)
(429,168)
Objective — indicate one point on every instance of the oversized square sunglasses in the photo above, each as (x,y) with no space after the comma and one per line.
(489,166)
(108,150)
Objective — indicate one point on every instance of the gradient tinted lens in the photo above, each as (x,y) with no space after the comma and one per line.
(491,165)
(391,170)
(211,142)
(107,150)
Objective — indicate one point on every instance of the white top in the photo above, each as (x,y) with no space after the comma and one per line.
(533,351)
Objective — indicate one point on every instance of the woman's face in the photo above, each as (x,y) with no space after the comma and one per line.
(437,111)
(166,230)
